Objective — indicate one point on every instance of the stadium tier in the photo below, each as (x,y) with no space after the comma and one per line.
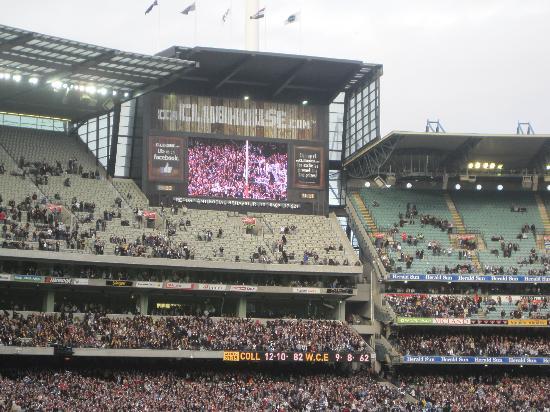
(494,233)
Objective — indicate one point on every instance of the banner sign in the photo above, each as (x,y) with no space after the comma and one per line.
(308,171)
(233,117)
(176,285)
(340,291)
(165,159)
(306,290)
(54,208)
(243,288)
(249,220)
(148,284)
(207,286)
(528,322)
(82,282)
(119,283)
(57,280)
(5,278)
(307,357)
(237,202)
(468,278)
(471,322)
(28,278)
(485,360)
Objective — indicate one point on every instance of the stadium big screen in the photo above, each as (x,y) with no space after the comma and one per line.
(213,151)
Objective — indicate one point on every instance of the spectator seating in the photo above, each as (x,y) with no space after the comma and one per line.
(490,213)
(130,192)
(391,203)
(469,306)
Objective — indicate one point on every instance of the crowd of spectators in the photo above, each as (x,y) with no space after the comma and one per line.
(226,390)
(482,393)
(471,343)
(465,306)
(219,169)
(182,333)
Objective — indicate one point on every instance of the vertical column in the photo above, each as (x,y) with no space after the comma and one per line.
(340,310)
(252,26)
(143,303)
(48,301)
(241,308)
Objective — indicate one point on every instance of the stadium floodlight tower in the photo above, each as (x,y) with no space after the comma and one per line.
(434,126)
(525,128)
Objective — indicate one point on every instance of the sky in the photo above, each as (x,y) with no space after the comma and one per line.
(475,65)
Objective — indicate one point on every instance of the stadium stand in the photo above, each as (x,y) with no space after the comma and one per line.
(509,223)
(473,306)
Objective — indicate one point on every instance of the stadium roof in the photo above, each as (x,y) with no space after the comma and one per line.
(516,152)
(269,76)
(94,72)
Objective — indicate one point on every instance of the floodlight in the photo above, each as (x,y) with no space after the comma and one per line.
(479,187)
(457,186)
(16,78)
(500,187)
(33,80)
(409,185)
(367,184)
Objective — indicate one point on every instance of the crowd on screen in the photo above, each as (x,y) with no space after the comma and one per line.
(195,391)
(470,343)
(458,306)
(480,393)
(183,333)
(218,169)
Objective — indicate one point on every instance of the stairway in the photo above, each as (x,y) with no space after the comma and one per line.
(457,219)
(543,213)
(364,213)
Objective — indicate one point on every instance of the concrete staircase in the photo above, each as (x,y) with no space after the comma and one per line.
(458,223)
(364,213)
(543,213)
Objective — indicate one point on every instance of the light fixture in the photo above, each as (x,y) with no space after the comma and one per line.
(33,80)
(500,187)
(492,165)
(246,97)
(388,186)
(56,84)
(457,186)
(486,165)
(102,91)
(479,187)
(91,89)
(114,93)
(367,184)
(409,185)
(126,94)
(16,78)
(500,166)
(6,76)
(548,187)
(547,167)
(477,165)
(304,102)
(470,165)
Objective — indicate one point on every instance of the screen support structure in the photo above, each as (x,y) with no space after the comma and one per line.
(111,163)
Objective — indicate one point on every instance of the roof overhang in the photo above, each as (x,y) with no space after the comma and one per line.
(267,76)
(89,78)
(517,152)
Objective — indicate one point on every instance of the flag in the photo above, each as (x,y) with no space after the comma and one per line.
(155,3)
(259,14)
(292,18)
(225,15)
(189,9)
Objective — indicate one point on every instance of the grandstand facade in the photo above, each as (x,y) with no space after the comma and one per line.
(160,211)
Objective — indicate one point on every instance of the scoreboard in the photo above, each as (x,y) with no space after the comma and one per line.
(275,153)
(306,357)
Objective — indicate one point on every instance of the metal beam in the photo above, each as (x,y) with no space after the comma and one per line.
(82,65)
(288,77)
(370,162)
(33,61)
(232,72)
(16,41)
